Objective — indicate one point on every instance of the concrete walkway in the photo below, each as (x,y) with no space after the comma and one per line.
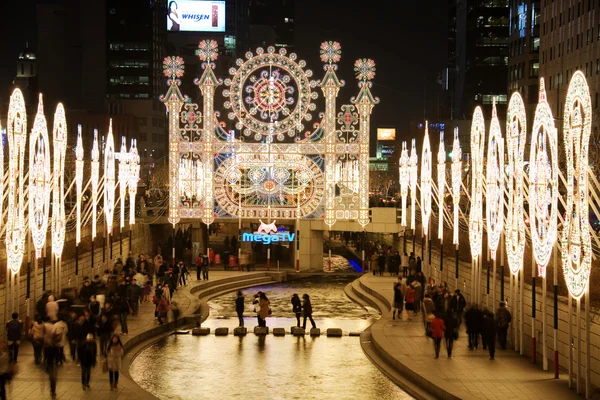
(468,374)
(31,381)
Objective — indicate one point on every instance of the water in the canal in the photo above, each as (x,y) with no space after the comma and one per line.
(211,367)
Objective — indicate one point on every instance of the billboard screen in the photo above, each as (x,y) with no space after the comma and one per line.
(386,133)
(195,16)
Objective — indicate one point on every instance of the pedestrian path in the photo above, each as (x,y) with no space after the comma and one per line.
(31,381)
(469,374)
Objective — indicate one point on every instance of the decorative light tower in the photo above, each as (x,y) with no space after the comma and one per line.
(123,179)
(456,188)
(79,188)
(426,195)
(58,227)
(543,197)
(95,177)
(413,175)
(494,210)
(475,216)
(441,186)
(109,185)
(516,135)
(575,240)
(134,177)
(404,179)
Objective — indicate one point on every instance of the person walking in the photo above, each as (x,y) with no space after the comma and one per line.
(239,307)
(451,332)
(437,333)
(503,318)
(489,333)
(473,319)
(399,291)
(297,308)
(113,359)
(13,335)
(404,264)
(5,368)
(199,267)
(162,309)
(52,358)
(457,305)
(410,302)
(87,358)
(134,293)
(36,333)
(307,311)
(256,305)
(265,309)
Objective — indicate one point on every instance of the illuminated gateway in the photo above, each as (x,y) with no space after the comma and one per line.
(273,162)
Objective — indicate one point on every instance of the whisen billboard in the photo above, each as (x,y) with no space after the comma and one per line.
(196,16)
(386,133)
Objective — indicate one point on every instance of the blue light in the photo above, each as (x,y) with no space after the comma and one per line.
(355,265)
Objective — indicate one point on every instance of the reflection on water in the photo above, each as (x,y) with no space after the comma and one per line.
(338,264)
(211,367)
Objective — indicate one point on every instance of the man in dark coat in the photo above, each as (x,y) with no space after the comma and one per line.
(489,332)
(503,318)
(473,319)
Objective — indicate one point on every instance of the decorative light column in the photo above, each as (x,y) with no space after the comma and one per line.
(441,184)
(404,179)
(109,185)
(494,210)
(475,215)
(58,227)
(413,176)
(95,177)
(456,188)
(79,187)
(426,194)
(575,240)
(134,177)
(516,136)
(543,196)
(123,179)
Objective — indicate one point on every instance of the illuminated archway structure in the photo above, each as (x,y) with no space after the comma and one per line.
(271,165)
(494,210)
(475,216)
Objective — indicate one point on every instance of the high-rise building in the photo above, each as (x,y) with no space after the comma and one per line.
(570,41)
(26,77)
(272,23)
(523,52)
(481,55)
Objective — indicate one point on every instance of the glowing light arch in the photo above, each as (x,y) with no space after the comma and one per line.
(426,182)
(39,179)
(95,177)
(543,183)
(516,136)
(404,179)
(456,181)
(575,240)
(494,210)
(475,216)
(59,140)
(16,132)
(413,175)
(441,183)
(123,179)
(109,179)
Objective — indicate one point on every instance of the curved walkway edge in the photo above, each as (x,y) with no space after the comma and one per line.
(403,346)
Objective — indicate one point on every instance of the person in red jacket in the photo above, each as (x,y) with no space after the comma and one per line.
(437,333)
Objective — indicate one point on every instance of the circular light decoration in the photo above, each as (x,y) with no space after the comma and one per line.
(516,135)
(575,239)
(39,179)
(475,216)
(123,178)
(16,132)
(456,181)
(494,196)
(134,177)
(543,183)
(95,177)
(441,182)
(404,179)
(269,87)
(109,179)
(59,141)
(413,176)
(426,182)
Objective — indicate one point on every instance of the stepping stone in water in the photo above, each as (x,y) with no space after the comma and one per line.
(354,333)
(200,331)
(299,332)
(240,331)
(315,332)
(222,331)
(278,332)
(261,331)
(334,332)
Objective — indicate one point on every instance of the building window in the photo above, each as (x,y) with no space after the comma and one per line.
(550,83)
(551,53)
(534,70)
(559,46)
(597,66)
(489,98)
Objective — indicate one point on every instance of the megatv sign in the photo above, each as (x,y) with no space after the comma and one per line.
(267,233)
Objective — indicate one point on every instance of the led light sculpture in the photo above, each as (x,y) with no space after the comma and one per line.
(39,179)
(16,132)
(516,136)
(123,179)
(456,181)
(475,216)
(413,174)
(59,139)
(95,177)
(441,183)
(494,210)
(134,177)
(404,179)
(543,183)
(78,181)
(109,179)
(426,182)
(575,240)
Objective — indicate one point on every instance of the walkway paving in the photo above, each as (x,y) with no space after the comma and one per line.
(468,374)
(31,382)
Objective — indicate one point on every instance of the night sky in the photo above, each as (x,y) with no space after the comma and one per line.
(406,39)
